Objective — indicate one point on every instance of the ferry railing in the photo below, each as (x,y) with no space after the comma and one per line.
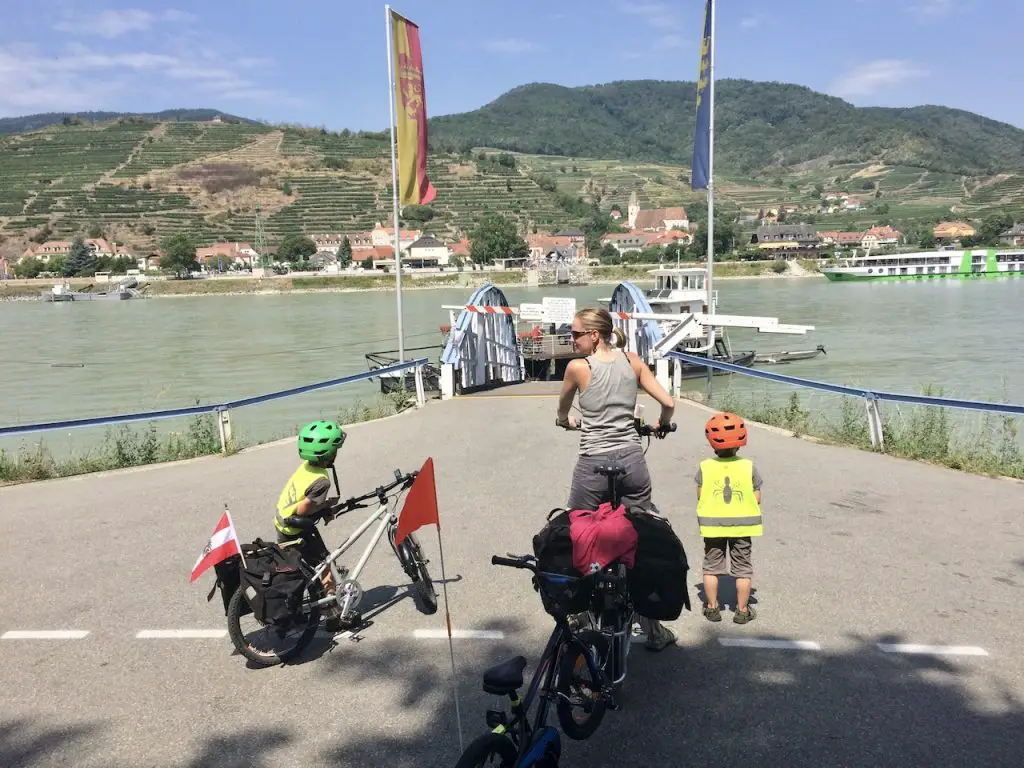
(223,410)
(871,397)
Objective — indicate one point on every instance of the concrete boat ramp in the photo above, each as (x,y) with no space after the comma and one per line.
(888,595)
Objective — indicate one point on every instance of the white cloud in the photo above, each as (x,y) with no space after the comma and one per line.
(932,8)
(749,22)
(876,75)
(80,78)
(671,41)
(510,45)
(113,24)
(659,15)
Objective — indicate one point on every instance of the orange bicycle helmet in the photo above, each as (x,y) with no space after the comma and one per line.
(725,431)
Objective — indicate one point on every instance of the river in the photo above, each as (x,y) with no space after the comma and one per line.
(64,361)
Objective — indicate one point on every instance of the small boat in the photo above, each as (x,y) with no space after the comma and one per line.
(123,290)
(788,357)
(723,353)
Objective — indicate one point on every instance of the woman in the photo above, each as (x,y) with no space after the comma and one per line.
(607,382)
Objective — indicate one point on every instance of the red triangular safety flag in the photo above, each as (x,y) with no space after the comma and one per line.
(420,506)
(222,545)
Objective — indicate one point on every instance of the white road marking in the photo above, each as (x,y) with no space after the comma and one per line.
(459,634)
(933,650)
(759,642)
(180,634)
(46,634)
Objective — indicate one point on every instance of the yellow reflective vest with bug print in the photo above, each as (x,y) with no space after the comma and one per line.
(727,507)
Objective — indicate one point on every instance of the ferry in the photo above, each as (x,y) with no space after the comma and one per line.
(992,262)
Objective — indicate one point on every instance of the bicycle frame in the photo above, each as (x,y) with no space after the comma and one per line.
(386,514)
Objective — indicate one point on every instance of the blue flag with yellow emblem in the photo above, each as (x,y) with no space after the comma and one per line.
(700,173)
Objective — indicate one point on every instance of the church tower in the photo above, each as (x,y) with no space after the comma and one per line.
(633,211)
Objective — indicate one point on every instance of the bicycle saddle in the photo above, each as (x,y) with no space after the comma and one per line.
(506,677)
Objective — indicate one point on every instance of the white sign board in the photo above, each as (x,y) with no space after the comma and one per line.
(559,310)
(531,313)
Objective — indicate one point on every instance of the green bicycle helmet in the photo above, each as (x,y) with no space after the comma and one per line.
(320,440)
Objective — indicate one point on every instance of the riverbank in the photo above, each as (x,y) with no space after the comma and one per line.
(29,290)
(125,446)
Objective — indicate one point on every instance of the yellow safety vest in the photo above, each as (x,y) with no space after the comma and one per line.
(727,506)
(294,492)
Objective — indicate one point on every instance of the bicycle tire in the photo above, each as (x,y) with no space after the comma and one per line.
(572,656)
(485,747)
(411,557)
(239,604)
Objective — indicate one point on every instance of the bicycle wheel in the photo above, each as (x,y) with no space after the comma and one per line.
(267,645)
(415,566)
(491,750)
(579,704)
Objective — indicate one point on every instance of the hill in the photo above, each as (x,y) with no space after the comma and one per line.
(759,128)
(9,125)
(137,179)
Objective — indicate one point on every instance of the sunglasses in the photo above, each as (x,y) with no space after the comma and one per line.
(578,334)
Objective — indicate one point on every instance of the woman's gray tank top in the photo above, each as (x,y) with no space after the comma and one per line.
(607,406)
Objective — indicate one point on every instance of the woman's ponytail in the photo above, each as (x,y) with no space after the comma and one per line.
(620,338)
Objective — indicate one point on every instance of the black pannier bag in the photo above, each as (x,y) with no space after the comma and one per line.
(657,582)
(228,578)
(274,585)
(552,546)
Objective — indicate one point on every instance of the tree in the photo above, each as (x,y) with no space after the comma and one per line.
(29,268)
(81,262)
(344,253)
(495,237)
(418,213)
(179,254)
(295,247)
(95,231)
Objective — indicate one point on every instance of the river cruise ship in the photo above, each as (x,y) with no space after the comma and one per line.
(992,262)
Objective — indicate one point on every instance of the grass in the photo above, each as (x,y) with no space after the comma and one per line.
(126,446)
(924,433)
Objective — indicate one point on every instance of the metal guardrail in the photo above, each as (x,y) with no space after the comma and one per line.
(871,396)
(222,409)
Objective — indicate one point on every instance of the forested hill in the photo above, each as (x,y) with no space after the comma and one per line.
(757,126)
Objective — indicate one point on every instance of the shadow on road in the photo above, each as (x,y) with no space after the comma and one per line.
(26,743)
(714,706)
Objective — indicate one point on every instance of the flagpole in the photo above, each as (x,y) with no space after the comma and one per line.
(451,646)
(711,198)
(234,530)
(394,187)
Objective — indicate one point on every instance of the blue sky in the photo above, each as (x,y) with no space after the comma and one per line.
(323,62)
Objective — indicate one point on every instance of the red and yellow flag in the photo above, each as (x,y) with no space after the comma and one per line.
(413,185)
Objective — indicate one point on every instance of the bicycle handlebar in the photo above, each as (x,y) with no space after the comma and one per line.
(380,493)
(525,562)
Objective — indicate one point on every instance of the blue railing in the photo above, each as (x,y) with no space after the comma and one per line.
(99,421)
(840,389)
(871,396)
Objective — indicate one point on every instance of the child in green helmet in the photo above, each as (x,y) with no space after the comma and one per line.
(306,493)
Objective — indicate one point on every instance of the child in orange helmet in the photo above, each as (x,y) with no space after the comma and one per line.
(729,513)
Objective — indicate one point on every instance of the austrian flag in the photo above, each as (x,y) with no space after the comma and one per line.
(222,545)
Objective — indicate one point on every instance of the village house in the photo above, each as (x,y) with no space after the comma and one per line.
(952,230)
(459,250)
(656,220)
(381,236)
(427,251)
(99,246)
(852,204)
(1014,236)
(881,237)
(6,270)
(223,255)
(787,239)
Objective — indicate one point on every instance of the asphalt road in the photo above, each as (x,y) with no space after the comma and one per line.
(889,589)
